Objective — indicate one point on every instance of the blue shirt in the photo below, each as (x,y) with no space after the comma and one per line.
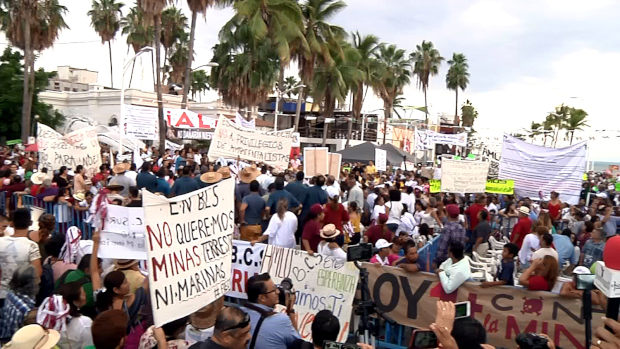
(274,197)
(593,252)
(611,226)
(314,195)
(256,205)
(506,272)
(298,190)
(184,185)
(276,331)
(146,180)
(566,249)
(162,186)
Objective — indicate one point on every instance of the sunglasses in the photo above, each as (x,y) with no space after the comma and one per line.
(244,323)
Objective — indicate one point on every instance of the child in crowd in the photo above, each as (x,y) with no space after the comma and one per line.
(506,271)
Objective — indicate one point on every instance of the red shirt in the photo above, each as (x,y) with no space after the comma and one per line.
(376,232)
(472,212)
(538,283)
(554,211)
(522,228)
(312,233)
(335,217)
(34,190)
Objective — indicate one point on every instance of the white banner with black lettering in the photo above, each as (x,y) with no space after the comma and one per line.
(246,262)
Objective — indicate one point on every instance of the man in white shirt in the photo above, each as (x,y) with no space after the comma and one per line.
(356,193)
(407,198)
(531,243)
(491,205)
(545,248)
(264,179)
(454,271)
(132,173)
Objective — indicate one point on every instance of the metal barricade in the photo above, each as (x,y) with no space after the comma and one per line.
(3,203)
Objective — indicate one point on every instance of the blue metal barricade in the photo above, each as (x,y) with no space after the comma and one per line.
(3,203)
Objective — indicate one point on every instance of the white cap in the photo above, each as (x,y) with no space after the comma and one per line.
(382,243)
(581,270)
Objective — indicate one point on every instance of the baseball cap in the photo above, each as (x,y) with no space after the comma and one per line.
(382,243)
(453,210)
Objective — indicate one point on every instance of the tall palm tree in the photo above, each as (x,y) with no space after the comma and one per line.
(535,129)
(393,74)
(173,26)
(196,6)
(200,83)
(31,25)
(139,32)
(426,61)
(367,46)
(289,83)
(556,121)
(457,78)
(153,9)
(332,83)
(105,17)
(321,39)
(178,59)
(576,121)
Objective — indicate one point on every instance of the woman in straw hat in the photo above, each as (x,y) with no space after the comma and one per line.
(328,246)
(282,227)
(211,178)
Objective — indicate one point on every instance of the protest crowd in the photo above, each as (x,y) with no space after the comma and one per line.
(56,290)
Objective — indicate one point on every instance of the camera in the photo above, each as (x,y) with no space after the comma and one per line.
(584,281)
(531,341)
(286,289)
(360,252)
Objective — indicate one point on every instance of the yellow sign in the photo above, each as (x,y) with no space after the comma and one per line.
(499,186)
(435,186)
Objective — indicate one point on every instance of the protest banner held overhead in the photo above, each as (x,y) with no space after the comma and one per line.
(335,161)
(410,299)
(426,139)
(435,186)
(140,122)
(463,176)
(320,282)
(79,147)
(247,261)
(537,169)
(381,160)
(316,161)
(232,141)
(123,233)
(189,249)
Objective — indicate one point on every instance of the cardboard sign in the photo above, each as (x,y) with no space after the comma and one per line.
(246,262)
(410,299)
(320,282)
(140,122)
(316,161)
(500,186)
(124,220)
(189,248)
(124,246)
(335,161)
(79,147)
(435,186)
(463,176)
(232,141)
(381,160)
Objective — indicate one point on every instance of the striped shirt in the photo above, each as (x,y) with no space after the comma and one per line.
(16,306)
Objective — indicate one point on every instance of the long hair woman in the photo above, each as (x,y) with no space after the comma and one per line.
(282,227)
(541,275)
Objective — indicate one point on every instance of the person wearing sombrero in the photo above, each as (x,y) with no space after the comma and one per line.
(129,267)
(201,322)
(34,336)
(210,178)
(37,180)
(328,246)
(120,178)
(246,175)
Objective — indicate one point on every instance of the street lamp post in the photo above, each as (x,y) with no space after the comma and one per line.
(280,93)
(122,114)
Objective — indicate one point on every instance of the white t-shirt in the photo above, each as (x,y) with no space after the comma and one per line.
(492,207)
(326,251)
(396,210)
(132,175)
(531,243)
(77,334)
(377,211)
(15,251)
(409,200)
(282,232)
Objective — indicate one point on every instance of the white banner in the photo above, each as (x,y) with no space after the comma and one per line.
(189,248)
(462,176)
(173,146)
(79,147)
(241,121)
(124,220)
(123,246)
(246,262)
(232,141)
(140,122)
(320,282)
(381,159)
(426,139)
(538,169)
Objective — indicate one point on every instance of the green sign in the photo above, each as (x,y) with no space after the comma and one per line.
(500,186)
(435,185)
(14,141)
(617,186)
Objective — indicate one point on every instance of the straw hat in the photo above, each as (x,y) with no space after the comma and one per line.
(120,264)
(34,336)
(524,210)
(120,168)
(211,177)
(38,178)
(79,196)
(248,174)
(205,317)
(225,171)
(329,231)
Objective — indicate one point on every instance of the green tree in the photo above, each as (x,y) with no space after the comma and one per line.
(576,122)
(457,78)
(139,32)
(105,18)
(468,114)
(11,75)
(31,25)
(173,26)
(557,120)
(535,129)
(200,83)
(393,74)
(426,61)
(289,83)
(178,59)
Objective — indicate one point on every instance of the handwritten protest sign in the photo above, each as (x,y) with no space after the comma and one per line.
(79,147)
(435,186)
(246,262)
(232,141)
(140,122)
(189,249)
(335,160)
(381,159)
(506,311)
(125,246)
(124,220)
(463,176)
(316,161)
(320,282)
(500,186)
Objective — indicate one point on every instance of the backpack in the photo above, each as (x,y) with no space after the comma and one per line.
(46,286)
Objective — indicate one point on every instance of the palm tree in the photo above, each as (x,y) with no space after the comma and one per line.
(178,59)
(393,74)
(332,83)
(535,129)
(139,32)
(152,10)
(200,83)
(426,61)
(556,120)
(367,46)
(289,83)
(173,26)
(196,6)
(576,122)
(457,78)
(105,18)
(31,25)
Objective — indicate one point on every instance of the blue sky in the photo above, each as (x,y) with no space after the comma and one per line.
(525,56)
